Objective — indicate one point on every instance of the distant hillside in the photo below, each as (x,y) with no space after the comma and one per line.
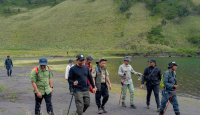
(83,25)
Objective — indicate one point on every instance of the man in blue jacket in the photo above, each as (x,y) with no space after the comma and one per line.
(170,85)
(8,65)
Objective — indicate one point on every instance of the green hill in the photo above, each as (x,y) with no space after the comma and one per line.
(86,25)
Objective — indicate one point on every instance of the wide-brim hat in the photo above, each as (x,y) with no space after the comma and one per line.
(127,58)
(101,59)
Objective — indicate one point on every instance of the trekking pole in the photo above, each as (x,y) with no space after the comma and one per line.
(71,101)
(122,89)
(169,101)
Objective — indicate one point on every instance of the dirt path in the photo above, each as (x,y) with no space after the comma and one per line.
(17,98)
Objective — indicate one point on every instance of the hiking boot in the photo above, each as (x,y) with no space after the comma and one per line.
(123,104)
(100,111)
(158,110)
(103,108)
(177,113)
(133,106)
(161,113)
(148,107)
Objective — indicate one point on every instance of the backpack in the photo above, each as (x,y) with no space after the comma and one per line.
(37,71)
(162,83)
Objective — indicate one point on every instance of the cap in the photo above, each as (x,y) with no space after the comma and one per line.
(152,60)
(80,57)
(127,58)
(71,60)
(101,59)
(43,61)
(171,64)
(8,56)
(89,58)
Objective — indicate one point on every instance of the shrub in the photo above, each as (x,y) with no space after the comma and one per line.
(164,22)
(125,5)
(194,40)
(154,36)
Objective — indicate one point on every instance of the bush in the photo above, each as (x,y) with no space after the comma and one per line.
(7,10)
(154,36)
(168,8)
(128,15)
(164,22)
(194,40)
(125,5)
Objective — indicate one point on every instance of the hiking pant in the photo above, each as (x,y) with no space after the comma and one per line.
(38,102)
(155,89)
(9,70)
(104,93)
(131,91)
(82,101)
(165,97)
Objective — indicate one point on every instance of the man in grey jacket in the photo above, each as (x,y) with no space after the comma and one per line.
(125,71)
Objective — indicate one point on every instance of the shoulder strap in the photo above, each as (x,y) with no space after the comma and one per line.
(36,70)
(49,71)
(152,71)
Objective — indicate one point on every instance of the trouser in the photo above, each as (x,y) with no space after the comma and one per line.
(155,89)
(82,101)
(70,87)
(9,70)
(131,91)
(104,93)
(165,98)
(38,102)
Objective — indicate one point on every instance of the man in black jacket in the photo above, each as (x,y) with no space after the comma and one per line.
(152,76)
(78,76)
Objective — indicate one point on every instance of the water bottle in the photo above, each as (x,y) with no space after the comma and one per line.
(140,77)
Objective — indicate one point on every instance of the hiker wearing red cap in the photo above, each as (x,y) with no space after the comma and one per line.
(89,62)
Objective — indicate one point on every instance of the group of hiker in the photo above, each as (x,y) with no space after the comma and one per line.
(83,78)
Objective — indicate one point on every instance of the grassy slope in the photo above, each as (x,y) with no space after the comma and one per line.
(82,26)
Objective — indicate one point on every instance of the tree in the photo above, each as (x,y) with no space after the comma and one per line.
(163,22)
(1,1)
(29,2)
